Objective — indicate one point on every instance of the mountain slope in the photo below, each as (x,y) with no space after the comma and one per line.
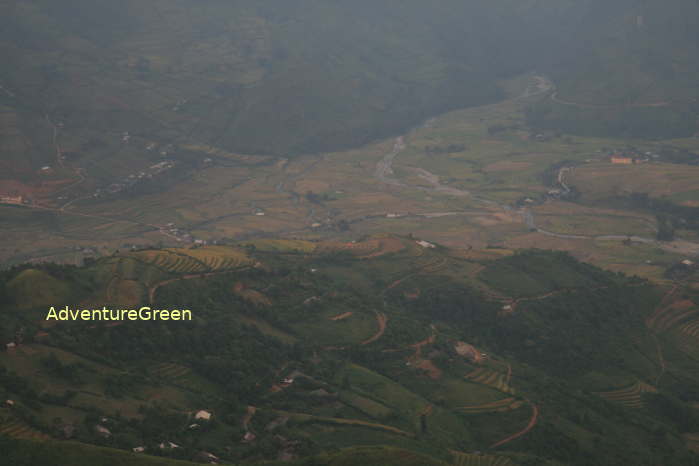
(300,352)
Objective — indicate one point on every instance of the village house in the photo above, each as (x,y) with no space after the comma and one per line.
(103,431)
(10,346)
(206,457)
(139,449)
(468,351)
(249,437)
(11,199)
(203,415)
(619,160)
(9,403)
(68,431)
(168,445)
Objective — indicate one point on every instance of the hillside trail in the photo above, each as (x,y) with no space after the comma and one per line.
(676,246)
(436,264)
(427,341)
(661,360)
(382,321)
(558,100)
(249,413)
(662,306)
(532,423)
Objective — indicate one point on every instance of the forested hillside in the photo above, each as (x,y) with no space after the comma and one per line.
(306,76)
(298,349)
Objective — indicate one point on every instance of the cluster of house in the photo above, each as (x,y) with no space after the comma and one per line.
(631,156)
(179,104)
(164,151)
(182,235)
(133,179)
(14,200)
(202,456)
(469,352)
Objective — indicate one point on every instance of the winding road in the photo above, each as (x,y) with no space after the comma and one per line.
(384,173)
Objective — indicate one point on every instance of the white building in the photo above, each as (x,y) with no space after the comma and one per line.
(103,431)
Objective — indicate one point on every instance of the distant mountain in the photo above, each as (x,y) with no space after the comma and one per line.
(304,76)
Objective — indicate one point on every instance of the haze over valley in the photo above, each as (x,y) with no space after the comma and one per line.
(456,233)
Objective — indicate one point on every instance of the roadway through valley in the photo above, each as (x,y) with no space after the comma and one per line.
(385,174)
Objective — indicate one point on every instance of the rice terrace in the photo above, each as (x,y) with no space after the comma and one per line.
(403,233)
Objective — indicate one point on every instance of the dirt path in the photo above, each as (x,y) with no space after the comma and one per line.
(7,91)
(675,246)
(427,341)
(532,423)
(248,417)
(516,302)
(382,321)
(662,307)
(430,267)
(661,361)
(558,100)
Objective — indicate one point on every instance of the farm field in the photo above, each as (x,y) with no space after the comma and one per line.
(602,180)
(469,196)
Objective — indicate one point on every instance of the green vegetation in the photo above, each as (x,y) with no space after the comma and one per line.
(530,274)
(575,363)
(25,453)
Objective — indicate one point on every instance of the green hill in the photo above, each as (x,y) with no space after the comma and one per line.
(384,349)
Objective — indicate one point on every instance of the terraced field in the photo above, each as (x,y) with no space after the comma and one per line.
(629,397)
(170,371)
(490,378)
(170,261)
(691,328)
(501,406)
(18,429)
(692,441)
(217,257)
(465,459)
(301,418)
(188,261)
(283,245)
(674,314)
(376,246)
